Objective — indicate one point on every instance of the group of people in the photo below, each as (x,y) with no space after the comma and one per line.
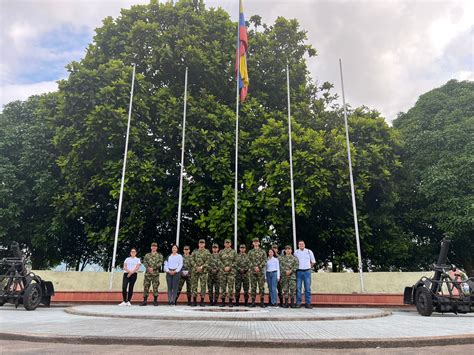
(224,273)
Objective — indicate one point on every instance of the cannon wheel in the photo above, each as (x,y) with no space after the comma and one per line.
(32,296)
(424,302)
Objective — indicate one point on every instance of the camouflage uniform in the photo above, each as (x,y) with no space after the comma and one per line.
(213,270)
(187,266)
(227,284)
(242,267)
(199,258)
(257,257)
(155,261)
(288,283)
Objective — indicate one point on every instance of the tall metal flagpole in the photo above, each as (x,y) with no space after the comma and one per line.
(182,156)
(122,183)
(354,207)
(236,178)
(293,220)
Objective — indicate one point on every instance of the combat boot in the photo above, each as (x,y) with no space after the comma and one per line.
(144,301)
(201,304)
(189,300)
(231,302)
(223,302)
(194,304)
(253,303)
(246,300)
(285,304)
(262,303)
(292,302)
(155,301)
(237,301)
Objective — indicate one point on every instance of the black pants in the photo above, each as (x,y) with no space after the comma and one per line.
(130,282)
(173,282)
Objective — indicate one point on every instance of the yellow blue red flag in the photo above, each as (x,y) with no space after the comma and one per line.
(241,61)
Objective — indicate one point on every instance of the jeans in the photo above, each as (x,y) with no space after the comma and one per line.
(173,283)
(272,286)
(130,282)
(303,276)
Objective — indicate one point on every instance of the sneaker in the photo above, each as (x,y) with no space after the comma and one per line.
(129,304)
(122,304)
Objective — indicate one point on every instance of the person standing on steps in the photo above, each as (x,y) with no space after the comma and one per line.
(257,261)
(173,266)
(152,262)
(242,275)
(130,268)
(306,262)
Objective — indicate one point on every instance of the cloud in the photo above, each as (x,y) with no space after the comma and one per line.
(14,92)
(392,51)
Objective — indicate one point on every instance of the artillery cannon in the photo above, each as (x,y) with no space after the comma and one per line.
(18,286)
(443,292)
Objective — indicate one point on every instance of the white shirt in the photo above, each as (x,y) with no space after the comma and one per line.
(131,263)
(273,265)
(174,262)
(305,258)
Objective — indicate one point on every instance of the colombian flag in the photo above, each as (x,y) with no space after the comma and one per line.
(241,61)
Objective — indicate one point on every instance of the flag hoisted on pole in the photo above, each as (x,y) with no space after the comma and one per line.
(354,207)
(122,183)
(180,198)
(242,83)
(293,219)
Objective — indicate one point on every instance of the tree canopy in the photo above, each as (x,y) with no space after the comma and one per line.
(61,154)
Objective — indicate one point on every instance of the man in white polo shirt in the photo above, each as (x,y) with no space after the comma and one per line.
(303,274)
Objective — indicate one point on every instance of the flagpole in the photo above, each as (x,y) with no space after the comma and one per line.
(236,177)
(354,207)
(293,220)
(122,183)
(180,198)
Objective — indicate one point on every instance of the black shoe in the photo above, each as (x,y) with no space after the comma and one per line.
(189,300)
(155,301)
(298,305)
(307,305)
(201,304)
(231,302)
(246,304)
(222,303)
(292,303)
(237,302)
(285,304)
(194,304)
(253,303)
(144,301)
(262,303)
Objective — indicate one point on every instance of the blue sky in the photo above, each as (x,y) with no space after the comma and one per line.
(392,51)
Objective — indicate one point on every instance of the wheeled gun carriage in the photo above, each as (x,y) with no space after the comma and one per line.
(18,286)
(443,292)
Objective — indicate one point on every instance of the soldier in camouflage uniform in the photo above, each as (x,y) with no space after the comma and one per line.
(242,275)
(276,254)
(200,258)
(213,271)
(186,273)
(152,262)
(257,261)
(228,258)
(288,266)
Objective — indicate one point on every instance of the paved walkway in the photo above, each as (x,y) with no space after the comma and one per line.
(401,328)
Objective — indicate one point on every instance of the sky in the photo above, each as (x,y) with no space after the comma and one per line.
(392,50)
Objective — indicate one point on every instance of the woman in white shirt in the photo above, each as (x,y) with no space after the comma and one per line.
(273,276)
(130,268)
(173,266)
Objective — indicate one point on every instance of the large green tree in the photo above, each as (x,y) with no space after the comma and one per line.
(438,189)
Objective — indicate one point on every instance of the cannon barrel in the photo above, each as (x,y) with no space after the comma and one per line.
(442,258)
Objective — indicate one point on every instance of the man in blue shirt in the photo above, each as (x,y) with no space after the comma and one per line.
(303,274)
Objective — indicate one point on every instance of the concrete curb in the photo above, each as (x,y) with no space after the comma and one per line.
(272,318)
(461,339)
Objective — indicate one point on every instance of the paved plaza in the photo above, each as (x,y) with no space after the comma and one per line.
(269,327)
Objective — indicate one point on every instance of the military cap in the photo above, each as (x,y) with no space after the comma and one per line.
(255,240)
(243,246)
(154,244)
(186,247)
(288,247)
(274,246)
(202,241)
(215,245)
(227,241)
